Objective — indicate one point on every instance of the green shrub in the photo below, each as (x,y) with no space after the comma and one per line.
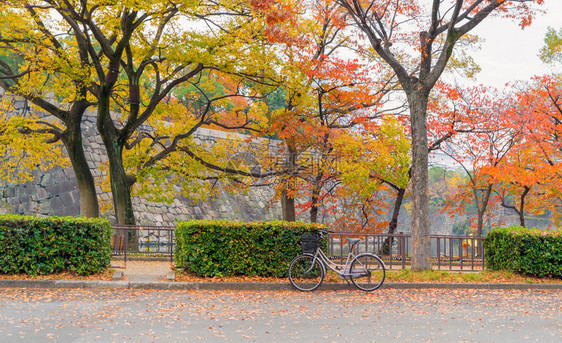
(39,246)
(525,251)
(227,248)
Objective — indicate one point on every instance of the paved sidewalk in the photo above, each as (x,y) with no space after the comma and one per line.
(145,271)
(70,316)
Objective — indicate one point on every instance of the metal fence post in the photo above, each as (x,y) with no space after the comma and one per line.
(438,253)
(403,249)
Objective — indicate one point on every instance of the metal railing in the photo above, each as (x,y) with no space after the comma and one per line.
(152,241)
(447,251)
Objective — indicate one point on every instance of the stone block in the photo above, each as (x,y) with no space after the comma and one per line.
(45,208)
(41,194)
(15,208)
(69,172)
(24,199)
(28,206)
(56,202)
(59,176)
(66,199)
(9,192)
(71,211)
(46,180)
(66,187)
(4,208)
(27,190)
(75,194)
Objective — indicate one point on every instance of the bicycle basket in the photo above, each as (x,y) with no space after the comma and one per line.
(310,242)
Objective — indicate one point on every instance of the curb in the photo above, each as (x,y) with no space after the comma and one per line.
(256,286)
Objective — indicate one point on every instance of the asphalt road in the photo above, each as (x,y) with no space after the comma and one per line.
(387,315)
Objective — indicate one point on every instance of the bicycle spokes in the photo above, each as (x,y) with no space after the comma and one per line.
(368,272)
(306,273)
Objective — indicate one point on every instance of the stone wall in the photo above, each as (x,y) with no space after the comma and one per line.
(55,193)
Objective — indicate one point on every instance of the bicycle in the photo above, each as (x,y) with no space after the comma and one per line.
(307,271)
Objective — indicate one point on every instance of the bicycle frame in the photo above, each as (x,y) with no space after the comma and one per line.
(343,270)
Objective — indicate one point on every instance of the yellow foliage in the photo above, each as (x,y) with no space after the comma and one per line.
(370,157)
(22,153)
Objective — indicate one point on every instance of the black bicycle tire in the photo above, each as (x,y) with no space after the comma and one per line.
(381,268)
(316,263)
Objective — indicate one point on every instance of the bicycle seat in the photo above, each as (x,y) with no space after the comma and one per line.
(353,241)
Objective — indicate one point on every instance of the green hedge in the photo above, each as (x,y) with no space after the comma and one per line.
(50,245)
(526,251)
(227,248)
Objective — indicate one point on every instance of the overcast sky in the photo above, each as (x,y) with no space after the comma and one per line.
(509,53)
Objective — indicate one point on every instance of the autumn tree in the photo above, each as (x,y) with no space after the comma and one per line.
(167,160)
(374,160)
(482,140)
(320,94)
(534,166)
(137,54)
(551,52)
(513,150)
(398,31)
(24,145)
(516,178)
(45,68)
(547,95)
(331,103)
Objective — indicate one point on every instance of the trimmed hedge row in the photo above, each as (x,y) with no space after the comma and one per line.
(50,245)
(526,251)
(228,248)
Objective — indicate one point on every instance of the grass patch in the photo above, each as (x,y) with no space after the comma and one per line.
(443,276)
(395,276)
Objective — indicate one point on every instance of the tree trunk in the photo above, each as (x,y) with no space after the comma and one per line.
(317,187)
(421,247)
(89,206)
(396,210)
(482,210)
(288,206)
(314,206)
(387,245)
(480,221)
(521,211)
(287,199)
(120,187)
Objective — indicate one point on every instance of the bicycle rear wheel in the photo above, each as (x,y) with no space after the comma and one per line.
(306,273)
(367,272)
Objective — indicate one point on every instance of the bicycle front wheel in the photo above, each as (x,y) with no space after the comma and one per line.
(306,273)
(367,272)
